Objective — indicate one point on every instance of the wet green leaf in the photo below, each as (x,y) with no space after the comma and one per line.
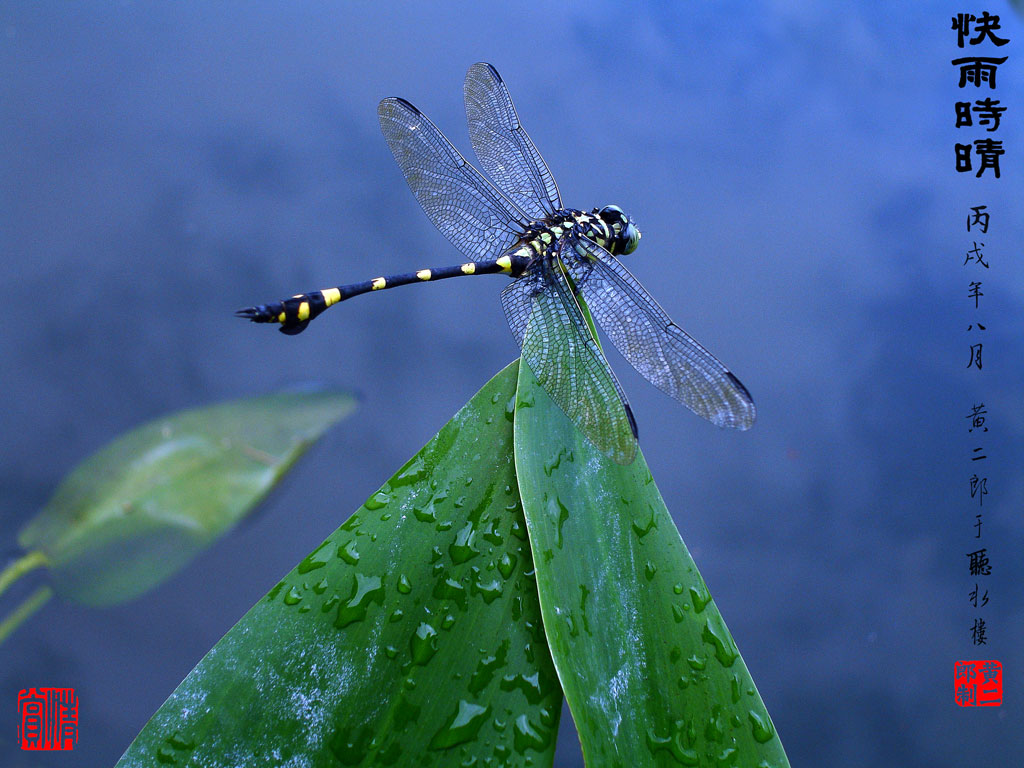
(651,674)
(410,637)
(139,509)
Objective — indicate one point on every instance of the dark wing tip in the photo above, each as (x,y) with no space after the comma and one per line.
(632,421)
(739,385)
(474,72)
(630,456)
(744,419)
(391,101)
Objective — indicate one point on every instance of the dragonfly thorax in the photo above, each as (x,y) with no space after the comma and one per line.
(609,227)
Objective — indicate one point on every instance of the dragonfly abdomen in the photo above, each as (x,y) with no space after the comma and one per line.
(295,314)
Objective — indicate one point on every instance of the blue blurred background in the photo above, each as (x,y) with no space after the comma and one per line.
(791,167)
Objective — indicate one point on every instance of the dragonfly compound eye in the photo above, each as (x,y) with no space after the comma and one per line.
(630,239)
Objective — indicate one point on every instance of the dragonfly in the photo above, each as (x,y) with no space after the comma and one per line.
(560,260)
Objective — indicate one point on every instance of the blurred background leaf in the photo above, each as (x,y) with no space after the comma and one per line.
(651,674)
(139,509)
(411,637)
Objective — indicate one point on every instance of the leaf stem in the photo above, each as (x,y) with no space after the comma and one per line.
(23,612)
(24,564)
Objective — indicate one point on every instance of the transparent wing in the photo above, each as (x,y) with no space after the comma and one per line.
(505,150)
(659,349)
(557,345)
(461,203)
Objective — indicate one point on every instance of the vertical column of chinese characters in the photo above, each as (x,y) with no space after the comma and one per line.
(977,683)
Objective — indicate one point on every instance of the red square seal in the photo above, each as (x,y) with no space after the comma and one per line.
(978,683)
(48,718)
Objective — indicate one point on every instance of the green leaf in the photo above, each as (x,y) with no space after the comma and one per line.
(651,673)
(410,637)
(136,511)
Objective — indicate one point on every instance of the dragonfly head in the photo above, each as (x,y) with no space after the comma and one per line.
(625,235)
